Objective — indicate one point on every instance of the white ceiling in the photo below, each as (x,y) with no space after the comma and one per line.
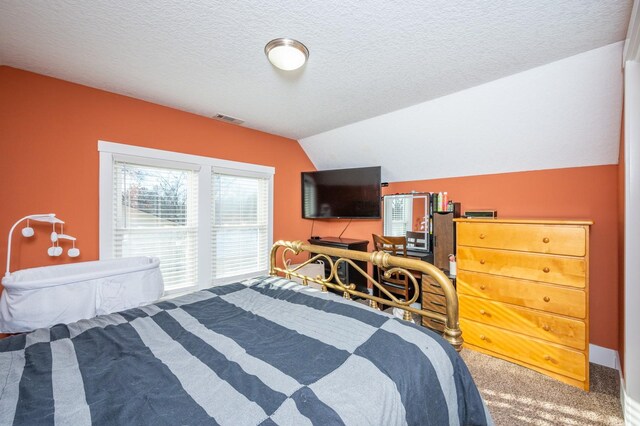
(367,58)
(563,114)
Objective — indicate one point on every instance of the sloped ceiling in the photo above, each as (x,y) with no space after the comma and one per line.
(367,58)
(564,114)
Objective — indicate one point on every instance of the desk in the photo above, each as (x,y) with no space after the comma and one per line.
(414,254)
(422,255)
(432,299)
(431,295)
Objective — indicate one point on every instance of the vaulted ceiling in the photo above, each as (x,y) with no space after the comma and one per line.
(367,58)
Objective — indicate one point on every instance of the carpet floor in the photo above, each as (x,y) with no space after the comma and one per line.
(518,396)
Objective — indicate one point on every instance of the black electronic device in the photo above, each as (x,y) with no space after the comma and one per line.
(481,214)
(341,194)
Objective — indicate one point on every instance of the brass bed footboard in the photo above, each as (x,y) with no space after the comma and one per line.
(392,264)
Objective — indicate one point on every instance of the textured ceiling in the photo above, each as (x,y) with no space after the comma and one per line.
(563,114)
(367,58)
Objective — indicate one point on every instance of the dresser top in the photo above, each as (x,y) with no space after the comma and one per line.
(532,221)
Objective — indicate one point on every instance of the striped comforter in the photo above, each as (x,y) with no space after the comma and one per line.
(265,351)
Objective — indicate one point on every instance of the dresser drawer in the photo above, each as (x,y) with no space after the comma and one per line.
(430,285)
(564,240)
(433,323)
(434,302)
(569,271)
(549,327)
(530,294)
(548,356)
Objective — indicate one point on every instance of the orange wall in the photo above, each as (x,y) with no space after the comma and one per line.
(49,158)
(49,163)
(572,193)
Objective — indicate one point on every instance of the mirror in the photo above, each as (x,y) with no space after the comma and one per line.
(407,215)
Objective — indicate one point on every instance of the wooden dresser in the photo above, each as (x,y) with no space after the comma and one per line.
(523,290)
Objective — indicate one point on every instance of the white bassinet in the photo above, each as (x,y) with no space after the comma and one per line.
(42,297)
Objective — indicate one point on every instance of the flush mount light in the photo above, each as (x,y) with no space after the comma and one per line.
(286,54)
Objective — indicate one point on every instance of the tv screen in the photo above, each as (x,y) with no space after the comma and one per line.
(341,194)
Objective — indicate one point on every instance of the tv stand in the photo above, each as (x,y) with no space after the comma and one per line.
(346,272)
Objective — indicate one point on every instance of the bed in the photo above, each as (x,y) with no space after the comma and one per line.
(262,351)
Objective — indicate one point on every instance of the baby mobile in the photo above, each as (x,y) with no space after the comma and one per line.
(55,250)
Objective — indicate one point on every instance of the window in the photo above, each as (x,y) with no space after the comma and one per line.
(398,208)
(208,220)
(240,231)
(155,213)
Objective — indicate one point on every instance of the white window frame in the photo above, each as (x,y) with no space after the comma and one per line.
(110,150)
(249,174)
(388,216)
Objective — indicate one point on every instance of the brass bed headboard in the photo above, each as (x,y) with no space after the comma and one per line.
(392,264)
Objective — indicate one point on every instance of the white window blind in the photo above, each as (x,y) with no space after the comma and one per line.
(155,213)
(210,221)
(240,225)
(397,215)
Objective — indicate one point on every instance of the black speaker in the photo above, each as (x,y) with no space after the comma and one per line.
(481,214)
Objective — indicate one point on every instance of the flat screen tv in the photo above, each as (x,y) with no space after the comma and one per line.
(341,194)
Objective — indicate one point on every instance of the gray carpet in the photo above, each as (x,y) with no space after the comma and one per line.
(519,396)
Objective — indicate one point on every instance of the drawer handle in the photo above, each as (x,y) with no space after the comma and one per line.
(482,236)
(437,303)
(545,270)
(482,261)
(547,357)
(482,287)
(546,298)
(546,327)
(545,240)
(483,337)
(435,285)
(483,312)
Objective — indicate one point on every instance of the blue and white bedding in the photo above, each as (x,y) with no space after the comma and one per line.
(266,351)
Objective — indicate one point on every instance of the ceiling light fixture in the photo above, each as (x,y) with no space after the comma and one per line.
(286,54)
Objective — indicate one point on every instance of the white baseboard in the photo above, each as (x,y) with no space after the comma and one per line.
(611,358)
(604,356)
(630,407)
